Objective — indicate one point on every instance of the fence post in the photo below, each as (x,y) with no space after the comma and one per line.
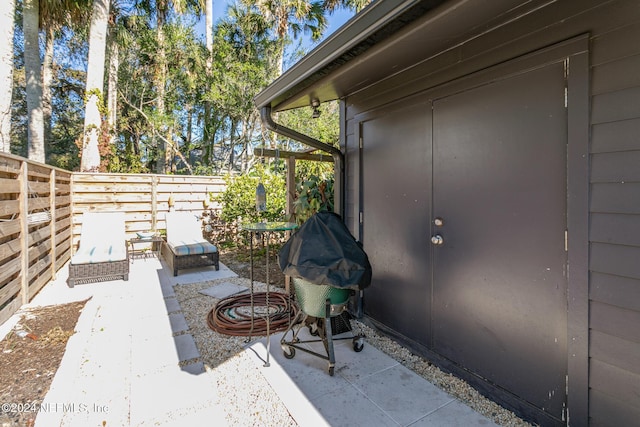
(291,186)
(154,202)
(24,231)
(52,221)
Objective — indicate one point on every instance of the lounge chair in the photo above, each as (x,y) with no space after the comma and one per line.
(102,254)
(185,247)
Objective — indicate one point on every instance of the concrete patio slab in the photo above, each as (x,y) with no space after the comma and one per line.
(123,367)
(368,388)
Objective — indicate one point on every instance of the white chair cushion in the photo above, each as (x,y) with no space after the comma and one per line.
(183,227)
(102,238)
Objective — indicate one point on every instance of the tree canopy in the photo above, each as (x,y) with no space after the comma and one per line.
(169,103)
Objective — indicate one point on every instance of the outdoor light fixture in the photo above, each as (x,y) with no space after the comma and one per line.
(315,103)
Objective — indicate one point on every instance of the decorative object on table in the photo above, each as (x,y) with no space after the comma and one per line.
(103,253)
(145,234)
(327,266)
(261,198)
(185,246)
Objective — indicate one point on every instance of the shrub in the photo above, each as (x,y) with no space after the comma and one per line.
(313,194)
(239,198)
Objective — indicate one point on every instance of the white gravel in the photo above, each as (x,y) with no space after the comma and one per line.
(248,396)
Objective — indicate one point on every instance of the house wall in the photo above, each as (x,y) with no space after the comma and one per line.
(613,29)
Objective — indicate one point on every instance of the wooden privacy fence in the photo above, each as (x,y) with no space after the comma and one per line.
(41,211)
(35,228)
(143,197)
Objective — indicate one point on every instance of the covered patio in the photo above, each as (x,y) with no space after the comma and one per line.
(134,361)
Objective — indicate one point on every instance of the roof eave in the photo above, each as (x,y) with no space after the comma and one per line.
(369,27)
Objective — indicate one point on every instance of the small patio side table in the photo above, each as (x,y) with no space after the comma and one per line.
(156,242)
(267,228)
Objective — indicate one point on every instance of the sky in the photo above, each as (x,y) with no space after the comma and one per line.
(336,20)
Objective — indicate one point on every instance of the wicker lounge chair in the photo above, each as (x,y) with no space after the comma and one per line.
(185,247)
(103,253)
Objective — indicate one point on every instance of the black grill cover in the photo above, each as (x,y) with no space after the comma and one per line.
(324,252)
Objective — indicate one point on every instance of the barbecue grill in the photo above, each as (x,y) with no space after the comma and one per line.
(327,266)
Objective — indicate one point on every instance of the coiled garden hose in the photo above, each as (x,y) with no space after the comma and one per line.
(232,316)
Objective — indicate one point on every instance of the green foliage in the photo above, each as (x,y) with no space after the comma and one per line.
(325,128)
(208,113)
(313,194)
(239,198)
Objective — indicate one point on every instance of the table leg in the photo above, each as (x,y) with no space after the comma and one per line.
(251,235)
(266,364)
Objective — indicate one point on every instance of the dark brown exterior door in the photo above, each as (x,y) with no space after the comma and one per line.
(397,202)
(499,187)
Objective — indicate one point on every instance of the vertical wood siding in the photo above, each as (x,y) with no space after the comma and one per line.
(614,223)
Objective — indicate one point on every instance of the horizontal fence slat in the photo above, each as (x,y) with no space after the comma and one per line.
(38,187)
(62,236)
(38,284)
(39,267)
(9,207)
(7,228)
(9,268)
(39,235)
(9,290)
(9,248)
(38,203)
(39,250)
(9,185)
(8,310)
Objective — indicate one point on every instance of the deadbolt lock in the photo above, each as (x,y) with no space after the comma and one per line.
(438,222)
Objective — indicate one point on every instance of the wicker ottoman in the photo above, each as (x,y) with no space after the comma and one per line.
(190,255)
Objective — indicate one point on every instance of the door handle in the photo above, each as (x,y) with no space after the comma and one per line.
(437,240)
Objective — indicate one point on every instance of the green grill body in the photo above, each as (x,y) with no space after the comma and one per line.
(312,298)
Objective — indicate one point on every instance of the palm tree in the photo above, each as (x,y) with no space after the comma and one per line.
(54,16)
(35,13)
(356,5)
(6,73)
(292,15)
(90,161)
(162,9)
(33,75)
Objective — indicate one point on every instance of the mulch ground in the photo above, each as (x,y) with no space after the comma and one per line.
(30,358)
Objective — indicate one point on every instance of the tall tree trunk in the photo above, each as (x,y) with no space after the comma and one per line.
(232,144)
(208,134)
(90,161)
(163,152)
(47,78)
(112,87)
(33,81)
(6,73)
(209,26)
